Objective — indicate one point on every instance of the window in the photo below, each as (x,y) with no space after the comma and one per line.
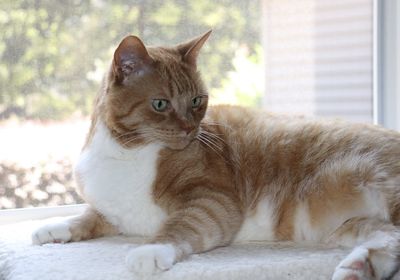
(312,57)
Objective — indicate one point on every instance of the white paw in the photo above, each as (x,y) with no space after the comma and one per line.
(151,258)
(52,233)
(355,266)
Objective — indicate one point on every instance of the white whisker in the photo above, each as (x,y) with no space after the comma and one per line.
(212,142)
(214,136)
(217,124)
(129,141)
(126,134)
(208,144)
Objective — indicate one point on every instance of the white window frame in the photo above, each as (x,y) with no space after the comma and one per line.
(387,63)
(36,213)
(386,77)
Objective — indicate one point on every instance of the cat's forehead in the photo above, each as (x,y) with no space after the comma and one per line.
(179,78)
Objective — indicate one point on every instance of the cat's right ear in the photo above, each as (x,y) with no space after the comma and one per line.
(130,58)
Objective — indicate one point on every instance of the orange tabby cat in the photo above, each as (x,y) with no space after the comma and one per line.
(156,164)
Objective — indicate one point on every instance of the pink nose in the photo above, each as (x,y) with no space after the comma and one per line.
(187,128)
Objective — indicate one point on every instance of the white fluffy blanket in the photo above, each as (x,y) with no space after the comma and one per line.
(104,259)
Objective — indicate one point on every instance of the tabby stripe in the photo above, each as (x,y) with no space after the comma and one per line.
(191,86)
(177,82)
(175,234)
(284,217)
(122,127)
(200,225)
(188,226)
(225,202)
(210,234)
(183,81)
(130,110)
(195,232)
(170,87)
(158,193)
(209,193)
(184,228)
(194,216)
(208,212)
(201,221)
(178,87)
(216,198)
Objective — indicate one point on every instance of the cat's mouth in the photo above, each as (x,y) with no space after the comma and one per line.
(179,145)
(172,138)
(179,142)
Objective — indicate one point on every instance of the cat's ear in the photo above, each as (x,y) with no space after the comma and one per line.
(190,50)
(130,58)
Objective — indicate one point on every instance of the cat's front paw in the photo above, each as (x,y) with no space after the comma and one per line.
(355,266)
(152,258)
(52,233)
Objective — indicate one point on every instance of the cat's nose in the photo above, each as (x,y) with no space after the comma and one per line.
(187,127)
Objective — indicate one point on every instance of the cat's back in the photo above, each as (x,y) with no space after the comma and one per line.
(251,126)
(297,147)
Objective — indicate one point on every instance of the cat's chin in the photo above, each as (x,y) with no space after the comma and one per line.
(178,145)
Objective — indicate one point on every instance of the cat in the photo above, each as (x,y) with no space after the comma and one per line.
(158,162)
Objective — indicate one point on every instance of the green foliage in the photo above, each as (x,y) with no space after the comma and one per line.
(50,104)
(243,85)
(53,52)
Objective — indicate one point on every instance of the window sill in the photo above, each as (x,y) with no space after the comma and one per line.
(37,213)
(103,258)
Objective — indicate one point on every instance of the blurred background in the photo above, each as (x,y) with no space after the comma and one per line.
(312,57)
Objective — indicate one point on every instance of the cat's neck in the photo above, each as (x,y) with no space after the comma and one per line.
(105,144)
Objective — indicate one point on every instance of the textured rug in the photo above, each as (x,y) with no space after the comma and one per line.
(104,259)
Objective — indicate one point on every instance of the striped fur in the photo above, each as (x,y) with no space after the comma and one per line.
(241,174)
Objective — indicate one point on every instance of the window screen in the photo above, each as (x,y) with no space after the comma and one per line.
(54,53)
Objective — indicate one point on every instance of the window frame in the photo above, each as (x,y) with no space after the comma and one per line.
(10,216)
(386,64)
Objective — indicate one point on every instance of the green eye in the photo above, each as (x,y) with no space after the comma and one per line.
(196,102)
(160,105)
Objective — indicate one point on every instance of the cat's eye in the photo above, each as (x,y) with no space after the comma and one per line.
(196,102)
(160,105)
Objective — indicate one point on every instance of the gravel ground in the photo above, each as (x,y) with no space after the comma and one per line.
(49,184)
(36,162)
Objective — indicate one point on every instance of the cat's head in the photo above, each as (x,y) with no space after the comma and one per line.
(155,94)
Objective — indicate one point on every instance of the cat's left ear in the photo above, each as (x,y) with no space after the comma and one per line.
(131,58)
(190,50)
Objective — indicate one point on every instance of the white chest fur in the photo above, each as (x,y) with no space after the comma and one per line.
(118,183)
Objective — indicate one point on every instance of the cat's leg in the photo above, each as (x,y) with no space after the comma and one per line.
(201,224)
(377,251)
(89,225)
